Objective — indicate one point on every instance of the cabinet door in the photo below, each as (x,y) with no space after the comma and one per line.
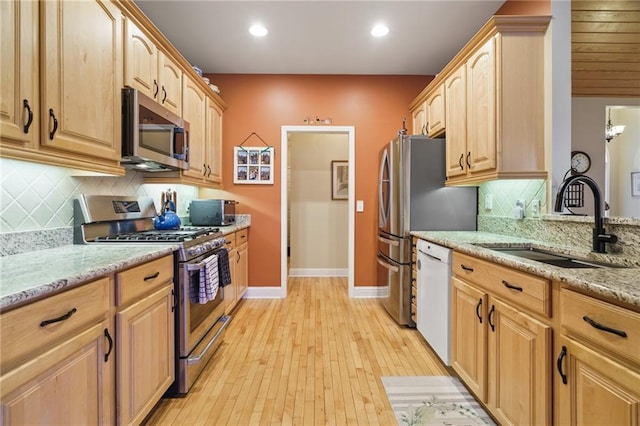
(469,335)
(146,354)
(141,61)
(435,112)
(193,110)
(231,291)
(519,367)
(455,105)
(82,69)
(599,390)
(214,143)
(419,118)
(170,76)
(481,108)
(19,112)
(68,385)
(242,270)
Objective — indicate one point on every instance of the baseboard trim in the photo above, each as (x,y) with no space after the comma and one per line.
(370,292)
(318,272)
(263,293)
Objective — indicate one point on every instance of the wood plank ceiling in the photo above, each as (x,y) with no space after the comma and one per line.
(605,48)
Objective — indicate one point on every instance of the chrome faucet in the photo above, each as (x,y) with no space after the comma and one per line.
(600,237)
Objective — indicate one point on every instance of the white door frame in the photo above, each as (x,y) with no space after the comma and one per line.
(350,131)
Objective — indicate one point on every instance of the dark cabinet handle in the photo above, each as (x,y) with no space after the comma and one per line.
(237,257)
(55,123)
(466,268)
(25,104)
(490,316)
(204,169)
(478,306)
(511,286)
(599,326)
(460,161)
(208,171)
(563,354)
(61,318)
(175,301)
(110,340)
(425,127)
(468,163)
(155,89)
(152,276)
(164,94)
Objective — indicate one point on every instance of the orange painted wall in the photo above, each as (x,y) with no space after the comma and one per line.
(374,105)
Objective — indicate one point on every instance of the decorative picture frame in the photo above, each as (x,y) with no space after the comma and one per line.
(253,165)
(635,184)
(339,180)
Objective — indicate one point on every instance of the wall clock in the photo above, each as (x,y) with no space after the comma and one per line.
(580,162)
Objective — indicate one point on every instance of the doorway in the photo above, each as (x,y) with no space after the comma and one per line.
(287,133)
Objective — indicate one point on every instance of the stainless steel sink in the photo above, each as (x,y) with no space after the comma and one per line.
(550,258)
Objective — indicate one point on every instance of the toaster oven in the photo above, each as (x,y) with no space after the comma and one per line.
(212,212)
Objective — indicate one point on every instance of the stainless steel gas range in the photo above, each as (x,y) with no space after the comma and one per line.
(129,220)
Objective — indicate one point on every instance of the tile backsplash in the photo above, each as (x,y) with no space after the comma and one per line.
(35,196)
(504,194)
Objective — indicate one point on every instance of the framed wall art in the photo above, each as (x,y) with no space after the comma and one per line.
(253,165)
(635,184)
(339,180)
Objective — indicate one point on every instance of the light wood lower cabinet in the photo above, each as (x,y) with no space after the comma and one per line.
(57,359)
(501,352)
(238,246)
(597,378)
(145,338)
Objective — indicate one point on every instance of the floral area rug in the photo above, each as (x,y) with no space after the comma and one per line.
(433,400)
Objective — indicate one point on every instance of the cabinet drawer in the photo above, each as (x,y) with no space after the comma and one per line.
(242,237)
(26,328)
(600,322)
(143,279)
(528,291)
(231,241)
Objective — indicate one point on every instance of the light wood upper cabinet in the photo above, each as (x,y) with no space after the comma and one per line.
(435,108)
(194,111)
(213,142)
(19,96)
(419,120)
(456,112)
(150,71)
(81,77)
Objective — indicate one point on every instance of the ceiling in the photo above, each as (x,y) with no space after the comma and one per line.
(319,37)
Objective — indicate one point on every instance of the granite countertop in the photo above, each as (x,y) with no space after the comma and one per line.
(622,284)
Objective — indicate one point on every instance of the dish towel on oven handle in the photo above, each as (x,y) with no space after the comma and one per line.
(204,285)
(223,268)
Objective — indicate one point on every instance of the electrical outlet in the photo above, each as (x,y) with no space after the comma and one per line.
(520,203)
(488,202)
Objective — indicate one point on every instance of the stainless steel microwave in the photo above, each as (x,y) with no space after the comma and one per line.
(212,212)
(154,139)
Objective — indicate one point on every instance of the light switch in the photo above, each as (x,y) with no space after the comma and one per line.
(359,206)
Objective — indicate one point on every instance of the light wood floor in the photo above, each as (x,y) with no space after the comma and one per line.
(315,357)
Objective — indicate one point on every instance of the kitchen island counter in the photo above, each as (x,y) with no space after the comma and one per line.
(34,275)
(620,284)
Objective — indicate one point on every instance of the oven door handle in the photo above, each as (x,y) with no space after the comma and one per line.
(196,359)
(198,266)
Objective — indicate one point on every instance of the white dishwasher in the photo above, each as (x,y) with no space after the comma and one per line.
(434,274)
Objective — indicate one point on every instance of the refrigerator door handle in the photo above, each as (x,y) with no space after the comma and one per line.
(388,241)
(388,266)
(384,181)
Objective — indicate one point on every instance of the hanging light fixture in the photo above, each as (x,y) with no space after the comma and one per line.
(611,131)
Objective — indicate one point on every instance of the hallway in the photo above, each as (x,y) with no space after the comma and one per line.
(315,357)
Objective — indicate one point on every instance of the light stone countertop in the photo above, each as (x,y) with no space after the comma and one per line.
(37,274)
(30,276)
(621,284)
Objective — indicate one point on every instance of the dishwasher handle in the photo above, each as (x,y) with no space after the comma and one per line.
(430,256)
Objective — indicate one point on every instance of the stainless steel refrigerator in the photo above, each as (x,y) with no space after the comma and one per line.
(412,197)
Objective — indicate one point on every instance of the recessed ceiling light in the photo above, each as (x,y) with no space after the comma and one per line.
(258,30)
(379,30)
